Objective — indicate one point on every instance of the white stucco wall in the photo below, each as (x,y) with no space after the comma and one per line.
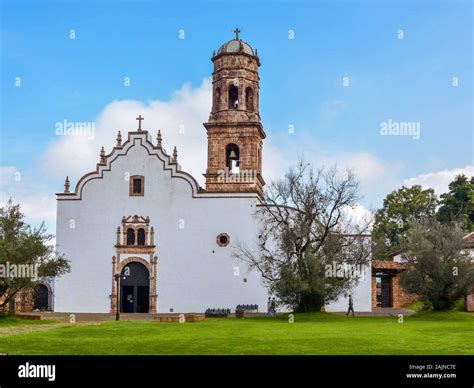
(361,295)
(193,272)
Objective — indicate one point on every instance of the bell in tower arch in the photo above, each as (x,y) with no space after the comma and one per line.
(232,158)
(233,97)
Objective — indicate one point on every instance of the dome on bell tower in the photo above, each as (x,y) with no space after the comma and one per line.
(236,46)
(235,83)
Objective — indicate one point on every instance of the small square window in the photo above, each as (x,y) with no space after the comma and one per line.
(137,186)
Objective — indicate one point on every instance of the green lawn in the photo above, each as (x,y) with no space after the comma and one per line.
(9,322)
(317,333)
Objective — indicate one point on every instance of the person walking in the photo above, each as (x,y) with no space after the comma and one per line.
(351,306)
(273,306)
(269,305)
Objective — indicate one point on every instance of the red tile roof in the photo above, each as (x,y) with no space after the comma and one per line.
(469,238)
(385,264)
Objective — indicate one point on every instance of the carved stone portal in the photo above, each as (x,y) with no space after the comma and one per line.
(135,243)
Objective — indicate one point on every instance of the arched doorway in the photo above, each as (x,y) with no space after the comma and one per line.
(41,297)
(135,288)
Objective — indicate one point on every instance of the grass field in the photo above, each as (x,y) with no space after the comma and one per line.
(10,322)
(316,333)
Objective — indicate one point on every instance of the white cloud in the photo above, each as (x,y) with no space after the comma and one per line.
(376,177)
(37,202)
(274,164)
(8,175)
(357,218)
(38,207)
(439,180)
(367,167)
(180,120)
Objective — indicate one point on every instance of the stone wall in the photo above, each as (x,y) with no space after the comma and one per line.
(374,293)
(240,70)
(249,140)
(23,302)
(400,298)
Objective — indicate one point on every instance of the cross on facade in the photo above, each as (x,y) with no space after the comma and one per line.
(140,118)
(237,31)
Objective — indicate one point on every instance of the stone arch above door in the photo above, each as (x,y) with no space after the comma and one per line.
(128,260)
(50,294)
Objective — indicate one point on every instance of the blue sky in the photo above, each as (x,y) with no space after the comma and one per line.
(409,79)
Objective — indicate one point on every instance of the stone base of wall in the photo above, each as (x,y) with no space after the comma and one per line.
(193,317)
(31,317)
(167,318)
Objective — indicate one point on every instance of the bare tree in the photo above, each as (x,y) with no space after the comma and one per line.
(309,249)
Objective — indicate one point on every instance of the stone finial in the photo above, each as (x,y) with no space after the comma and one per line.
(118,235)
(213,53)
(67,185)
(159,139)
(256,52)
(174,159)
(119,139)
(103,160)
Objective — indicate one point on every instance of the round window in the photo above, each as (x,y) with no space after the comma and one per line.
(223,239)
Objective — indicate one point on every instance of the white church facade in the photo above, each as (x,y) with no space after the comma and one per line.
(140,216)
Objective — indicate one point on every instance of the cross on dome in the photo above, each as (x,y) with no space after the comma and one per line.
(237,31)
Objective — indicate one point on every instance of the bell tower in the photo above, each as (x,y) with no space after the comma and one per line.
(234,131)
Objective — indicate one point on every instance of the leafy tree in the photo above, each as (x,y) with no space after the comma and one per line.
(22,246)
(303,236)
(458,203)
(441,270)
(400,208)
